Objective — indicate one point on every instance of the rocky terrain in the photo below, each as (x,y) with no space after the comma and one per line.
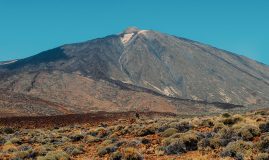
(137,136)
(140,70)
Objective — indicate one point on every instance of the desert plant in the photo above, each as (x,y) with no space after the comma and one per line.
(54,155)
(215,143)
(116,156)
(132,154)
(262,156)
(264,127)
(263,113)
(248,132)
(181,126)
(226,115)
(207,123)
(91,139)
(169,132)
(185,142)
(28,154)
(176,147)
(237,149)
(144,131)
(7,130)
(232,120)
(263,144)
(76,137)
(95,131)
(203,143)
(2,140)
(9,147)
(41,151)
(103,150)
(227,134)
(145,141)
(74,150)
(218,126)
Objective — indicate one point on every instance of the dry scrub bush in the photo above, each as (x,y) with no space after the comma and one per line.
(264,127)
(232,120)
(55,155)
(132,154)
(169,132)
(262,156)
(263,144)
(116,156)
(237,149)
(181,126)
(74,150)
(248,132)
(183,143)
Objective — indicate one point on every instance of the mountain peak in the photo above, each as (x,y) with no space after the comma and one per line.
(131,30)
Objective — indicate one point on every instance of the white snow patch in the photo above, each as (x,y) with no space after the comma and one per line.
(142,32)
(126,38)
(9,62)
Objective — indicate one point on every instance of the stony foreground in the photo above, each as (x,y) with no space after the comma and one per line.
(137,137)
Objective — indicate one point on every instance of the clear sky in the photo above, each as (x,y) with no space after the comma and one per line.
(28,27)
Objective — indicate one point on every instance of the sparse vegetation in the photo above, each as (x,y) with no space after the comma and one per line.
(210,137)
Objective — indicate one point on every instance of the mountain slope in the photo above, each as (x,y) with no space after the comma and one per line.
(161,63)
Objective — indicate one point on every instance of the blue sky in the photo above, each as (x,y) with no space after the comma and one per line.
(31,26)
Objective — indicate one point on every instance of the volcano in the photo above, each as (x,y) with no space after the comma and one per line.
(137,69)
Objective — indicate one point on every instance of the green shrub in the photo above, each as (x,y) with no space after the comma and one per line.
(218,126)
(247,133)
(2,140)
(24,154)
(226,133)
(169,132)
(264,127)
(203,143)
(95,132)
(76,137)
(181,126)
(103,150)
(8,130)
(263,113)
(226,115)
(167,141)
(262,156)
(232,120)
(207,123)
(132,154)
(74,150)
(116,156)
(145,131)
(177,146)
(107,142)
(237,149)
(91,139)
(185,142)
(145,141)
(15,140)
(41,151)
(263,144)
(55,155)
(215,143)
